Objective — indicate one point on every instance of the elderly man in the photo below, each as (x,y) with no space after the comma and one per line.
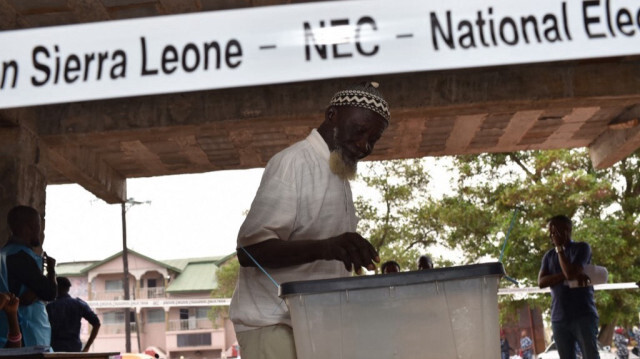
(302,222)
(574,317)
(25,278)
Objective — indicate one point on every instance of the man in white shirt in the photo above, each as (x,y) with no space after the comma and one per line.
(302,222)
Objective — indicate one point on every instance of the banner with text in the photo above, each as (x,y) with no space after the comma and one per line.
(160,303)
(289,43)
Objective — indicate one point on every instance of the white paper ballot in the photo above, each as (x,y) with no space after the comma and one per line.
(597,274)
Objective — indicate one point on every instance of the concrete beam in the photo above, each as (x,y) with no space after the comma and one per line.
(619,141)
(495,89)
(464,129)
(87,169)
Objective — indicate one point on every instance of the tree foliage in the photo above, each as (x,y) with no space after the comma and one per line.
(395,222)
(226,278)
(493,188)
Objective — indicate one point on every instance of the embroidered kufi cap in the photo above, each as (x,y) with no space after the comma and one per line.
(364,95)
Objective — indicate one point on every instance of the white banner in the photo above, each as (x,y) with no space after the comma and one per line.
(536,290)
(159,303)
(288,43)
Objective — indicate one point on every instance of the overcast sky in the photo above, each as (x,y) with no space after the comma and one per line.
(188,215)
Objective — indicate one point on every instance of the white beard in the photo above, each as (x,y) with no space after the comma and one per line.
(345,170)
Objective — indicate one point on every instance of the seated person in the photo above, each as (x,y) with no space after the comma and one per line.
(425,262)
(390,267)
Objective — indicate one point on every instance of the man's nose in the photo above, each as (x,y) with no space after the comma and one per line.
(364,146)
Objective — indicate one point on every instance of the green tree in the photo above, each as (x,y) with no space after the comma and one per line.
(226,278)
(392,214)
(603,204)
(489,190)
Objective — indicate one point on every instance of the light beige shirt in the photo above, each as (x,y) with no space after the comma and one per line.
(298,198)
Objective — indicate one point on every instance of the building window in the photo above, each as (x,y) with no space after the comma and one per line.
(151,283)
(114,285)
(184,314)
(155,316)
(202,312)
(113,317)
(194,340)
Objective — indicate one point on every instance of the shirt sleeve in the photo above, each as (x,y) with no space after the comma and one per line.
(22,267)
(89,314)
(544,266)
(273,211)
(583,254)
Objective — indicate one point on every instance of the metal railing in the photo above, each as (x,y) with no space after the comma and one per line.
(190,324)
(116,328)
(153,292)
(110,295)
(141,293)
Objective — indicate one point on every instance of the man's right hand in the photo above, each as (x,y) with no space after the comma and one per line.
(51,264)
(353,250)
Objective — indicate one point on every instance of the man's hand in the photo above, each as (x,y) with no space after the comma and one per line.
(11,307)
(4,300)
(556,237)
(352,250)
(28,297)
(583,280)
(50,262)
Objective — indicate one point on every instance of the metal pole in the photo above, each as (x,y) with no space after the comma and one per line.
(125,282)
(532,330)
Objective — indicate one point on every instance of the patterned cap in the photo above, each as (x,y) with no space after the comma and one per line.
(364,95)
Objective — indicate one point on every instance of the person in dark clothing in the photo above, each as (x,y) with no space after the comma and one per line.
(24,276)
(504,346)
(390,267)
(65,315)
(425,262)
(574,317)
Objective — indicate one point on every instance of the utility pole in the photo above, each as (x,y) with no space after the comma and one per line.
(125,282)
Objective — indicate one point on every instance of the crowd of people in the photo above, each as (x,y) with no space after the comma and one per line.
(423,262)
(28,282)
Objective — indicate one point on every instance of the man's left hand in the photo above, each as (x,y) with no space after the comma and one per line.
(583,280)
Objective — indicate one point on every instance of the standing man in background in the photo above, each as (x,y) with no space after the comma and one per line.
(302,222)
(65,315)
(526,345)
(23,271)
(574,317)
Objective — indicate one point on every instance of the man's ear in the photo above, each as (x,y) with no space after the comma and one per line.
(331,115)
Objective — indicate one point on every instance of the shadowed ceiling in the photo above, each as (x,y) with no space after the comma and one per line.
(99,144)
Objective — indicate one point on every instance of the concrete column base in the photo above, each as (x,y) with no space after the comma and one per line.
(23,178)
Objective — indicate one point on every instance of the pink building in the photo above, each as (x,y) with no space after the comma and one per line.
(169,300)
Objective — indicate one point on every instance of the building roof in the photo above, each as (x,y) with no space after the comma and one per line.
(181,263)
(131,252)
(194,274)
(197,276)
(73,269)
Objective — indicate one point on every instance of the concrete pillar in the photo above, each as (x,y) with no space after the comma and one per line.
(22,172)
(166,318)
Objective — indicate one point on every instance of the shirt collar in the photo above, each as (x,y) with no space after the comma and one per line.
(318,144)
